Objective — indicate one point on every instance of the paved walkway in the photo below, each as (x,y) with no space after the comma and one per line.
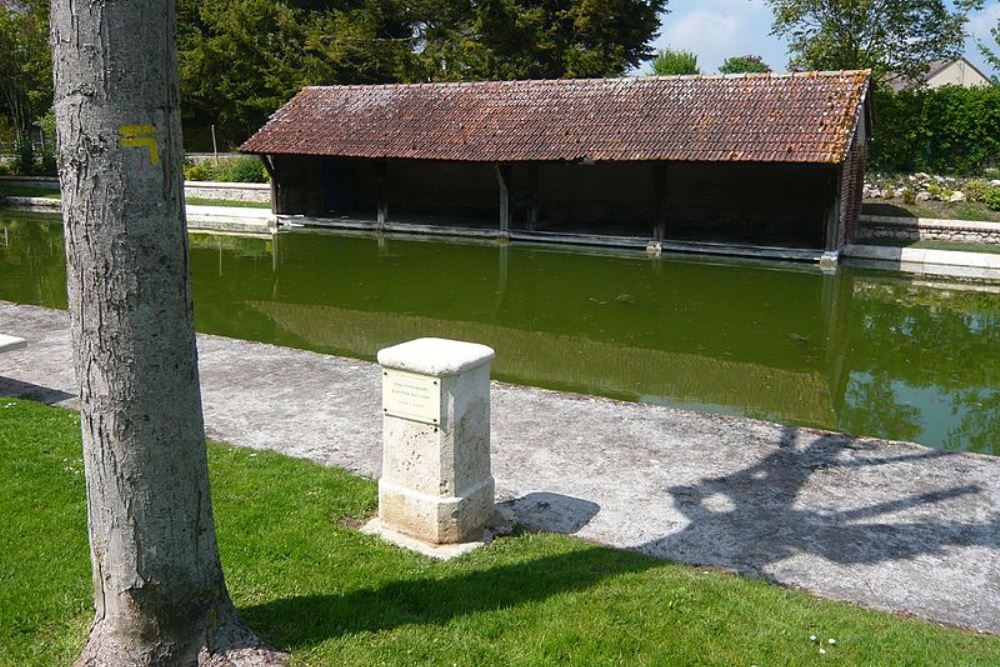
(888,525)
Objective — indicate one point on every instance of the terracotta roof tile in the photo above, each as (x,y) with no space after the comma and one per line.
(750,118)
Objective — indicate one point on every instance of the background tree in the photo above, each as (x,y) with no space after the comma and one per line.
(241,60)
(993,57)
(890,37)
(524,39)
(160,596)
(744,65)
(25,65)
(669,62)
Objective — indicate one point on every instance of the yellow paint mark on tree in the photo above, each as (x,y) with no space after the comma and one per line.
(140,136)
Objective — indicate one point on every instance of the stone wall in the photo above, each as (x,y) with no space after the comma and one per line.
(852,186)
(928,229)
(250,192)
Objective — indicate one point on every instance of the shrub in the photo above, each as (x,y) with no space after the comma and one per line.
(976,189)
(909,196)
(244,169)
(671,63)
(24,158)
(201,171)
(992,199)
(949,130)
(49,165)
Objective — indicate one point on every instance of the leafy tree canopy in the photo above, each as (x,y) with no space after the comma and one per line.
(890,37)
(744,65)
(241,59)
(669,62)
(25,65)
(993,57)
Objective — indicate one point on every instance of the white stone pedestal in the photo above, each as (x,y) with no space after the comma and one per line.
(436,485)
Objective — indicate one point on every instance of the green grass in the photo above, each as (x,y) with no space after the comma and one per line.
(15,190)
(932,245)
(201,201)
(968,211)
(309,583)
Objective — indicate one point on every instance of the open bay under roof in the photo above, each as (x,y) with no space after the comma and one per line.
(787,118)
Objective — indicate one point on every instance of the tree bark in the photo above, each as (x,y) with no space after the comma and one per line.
(160,597)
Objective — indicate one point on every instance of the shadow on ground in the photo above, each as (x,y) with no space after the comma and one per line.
(302,621)
(10,388)
(750,519)
(550,512)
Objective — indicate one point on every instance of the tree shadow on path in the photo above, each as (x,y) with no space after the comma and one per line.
(750,519)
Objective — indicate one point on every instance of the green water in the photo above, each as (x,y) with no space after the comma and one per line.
(865,352)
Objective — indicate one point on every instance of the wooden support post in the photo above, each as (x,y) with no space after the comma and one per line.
(533,201)
(381,206)
(272,174)
(504,179)
(660,199)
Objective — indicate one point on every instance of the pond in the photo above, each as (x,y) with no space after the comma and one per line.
(865,352)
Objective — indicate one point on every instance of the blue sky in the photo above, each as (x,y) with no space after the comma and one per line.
(717,29)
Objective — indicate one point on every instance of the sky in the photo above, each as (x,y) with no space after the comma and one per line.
(717,29)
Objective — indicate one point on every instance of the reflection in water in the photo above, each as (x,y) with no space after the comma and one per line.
(869,353)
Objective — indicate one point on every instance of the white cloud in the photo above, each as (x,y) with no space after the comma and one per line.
(718,29)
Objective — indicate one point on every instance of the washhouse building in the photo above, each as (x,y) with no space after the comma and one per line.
(749,164)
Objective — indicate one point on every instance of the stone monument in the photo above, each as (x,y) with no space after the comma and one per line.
(436,490)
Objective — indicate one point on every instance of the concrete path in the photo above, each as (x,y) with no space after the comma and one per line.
(889,525)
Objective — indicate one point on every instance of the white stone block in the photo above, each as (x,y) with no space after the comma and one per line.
(436,483)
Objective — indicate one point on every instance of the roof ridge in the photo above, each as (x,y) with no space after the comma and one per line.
(619,79)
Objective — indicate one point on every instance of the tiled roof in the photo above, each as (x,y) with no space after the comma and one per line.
(749,118)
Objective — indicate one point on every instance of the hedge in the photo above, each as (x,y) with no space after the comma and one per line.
(948,130)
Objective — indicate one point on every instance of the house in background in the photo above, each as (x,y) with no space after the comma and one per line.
(955,72)
(759,164)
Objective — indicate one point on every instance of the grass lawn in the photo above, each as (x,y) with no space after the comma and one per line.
(201,201)
(16,190)
(973,211)
(309,583)
(932,245)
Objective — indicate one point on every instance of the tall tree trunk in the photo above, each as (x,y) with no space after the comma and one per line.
(160,596)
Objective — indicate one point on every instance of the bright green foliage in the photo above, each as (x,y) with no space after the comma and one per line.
(310,583)
(243,169)
(976,189)
(744,65)
(890,37)
(25,67)
(993,57)
(950,130)
(992,199)
(670,63)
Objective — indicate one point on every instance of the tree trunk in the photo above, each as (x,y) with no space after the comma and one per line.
(160,596)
